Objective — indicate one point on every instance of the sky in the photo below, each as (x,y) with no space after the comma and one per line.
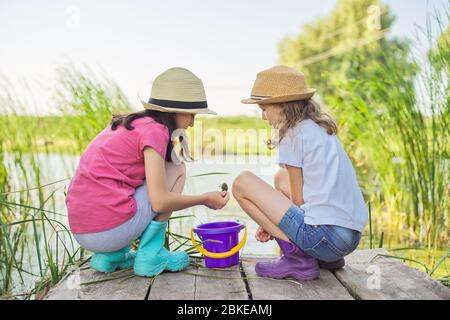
(225,43)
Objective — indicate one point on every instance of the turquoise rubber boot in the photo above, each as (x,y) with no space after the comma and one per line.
(149,262)
(111,261)
(176,261)
(152,258)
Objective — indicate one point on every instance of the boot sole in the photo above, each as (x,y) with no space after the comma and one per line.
(305,277)
(309,278)
(177,264)
(331,268)
(111,267)
(176,269)
(149,271)
(104,269)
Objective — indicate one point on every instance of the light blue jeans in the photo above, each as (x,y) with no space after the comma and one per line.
(122,235)
(324,242)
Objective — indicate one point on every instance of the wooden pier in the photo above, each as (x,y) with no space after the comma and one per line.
(368,275)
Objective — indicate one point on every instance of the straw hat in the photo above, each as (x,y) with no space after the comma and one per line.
(178,90)
(279,84)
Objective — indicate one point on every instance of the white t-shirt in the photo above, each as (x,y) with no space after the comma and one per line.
(330,188)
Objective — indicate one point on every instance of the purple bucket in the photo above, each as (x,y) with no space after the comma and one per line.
(219,237)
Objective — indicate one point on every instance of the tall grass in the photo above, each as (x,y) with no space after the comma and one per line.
(35,243)
(36,247)
(401,148)
(400,151)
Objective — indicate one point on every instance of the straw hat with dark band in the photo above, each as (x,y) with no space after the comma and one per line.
(279,84)
(178,90)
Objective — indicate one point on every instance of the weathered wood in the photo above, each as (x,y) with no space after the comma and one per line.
(358,279)
(123,286)
(199,283)
(174,286)
(220,284)
(325,287)
(387,278)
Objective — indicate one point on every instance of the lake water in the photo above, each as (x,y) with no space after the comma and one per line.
(55,167)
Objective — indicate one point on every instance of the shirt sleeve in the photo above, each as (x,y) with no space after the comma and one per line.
(290,150)
(154,135)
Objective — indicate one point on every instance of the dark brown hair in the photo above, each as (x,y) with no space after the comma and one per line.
(165,118)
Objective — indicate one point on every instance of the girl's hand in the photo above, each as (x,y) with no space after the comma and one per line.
(262,235)
(216,199)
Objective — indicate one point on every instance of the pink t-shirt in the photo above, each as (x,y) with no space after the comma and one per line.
(100,195)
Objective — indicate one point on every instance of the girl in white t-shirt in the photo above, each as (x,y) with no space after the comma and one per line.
(316,212)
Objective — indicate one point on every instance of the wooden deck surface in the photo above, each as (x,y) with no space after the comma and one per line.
(363,277)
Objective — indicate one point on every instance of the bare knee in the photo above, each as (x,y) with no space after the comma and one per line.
(280,178)
(181,175)
(241,183)
(181,170)
(176,176)
(281,182)
(175,170)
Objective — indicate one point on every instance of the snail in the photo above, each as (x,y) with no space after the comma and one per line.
(224,186)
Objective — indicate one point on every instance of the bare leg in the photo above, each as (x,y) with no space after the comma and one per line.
(264,204)
(175,177)
(281,182)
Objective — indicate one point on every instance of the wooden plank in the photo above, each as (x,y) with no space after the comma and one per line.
(174,286)
(325,287)
(359,277)
(77,286)
(387,278)
(199,283)
(220,284)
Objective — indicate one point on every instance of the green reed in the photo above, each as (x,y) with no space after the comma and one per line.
(35,244)
(401,148)
(400,152)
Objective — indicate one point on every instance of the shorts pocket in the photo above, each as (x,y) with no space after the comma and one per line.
(324,250)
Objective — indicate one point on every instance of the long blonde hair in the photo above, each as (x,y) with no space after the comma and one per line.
(293,112)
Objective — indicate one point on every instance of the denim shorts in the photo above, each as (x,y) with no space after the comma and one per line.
(121,236)
(324,242)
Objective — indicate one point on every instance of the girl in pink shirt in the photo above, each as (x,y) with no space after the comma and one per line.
(129,180)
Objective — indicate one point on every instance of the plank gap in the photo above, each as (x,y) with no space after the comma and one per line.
(346,287)
(150,284)
(195,284)
(244,278)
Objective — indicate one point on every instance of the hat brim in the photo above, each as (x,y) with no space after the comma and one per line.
(152,106)
(286,98)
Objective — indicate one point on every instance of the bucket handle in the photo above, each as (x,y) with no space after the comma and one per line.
(219,255)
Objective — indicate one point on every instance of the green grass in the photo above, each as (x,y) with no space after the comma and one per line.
(64,134)
(436,263)
(400,154)
(397,136)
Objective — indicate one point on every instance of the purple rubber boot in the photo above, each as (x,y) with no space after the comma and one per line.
(293,263)
(332,265)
